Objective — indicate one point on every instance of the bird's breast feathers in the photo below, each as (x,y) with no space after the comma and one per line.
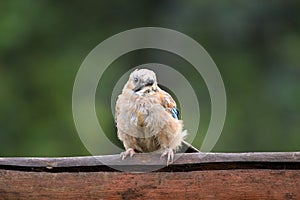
(147,114)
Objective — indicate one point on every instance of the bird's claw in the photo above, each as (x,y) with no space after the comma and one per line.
(170,155)
(129,151)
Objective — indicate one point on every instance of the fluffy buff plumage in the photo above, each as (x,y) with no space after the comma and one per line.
(147,118)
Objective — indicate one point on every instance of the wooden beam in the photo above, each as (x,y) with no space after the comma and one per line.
(200,161)
(191,176)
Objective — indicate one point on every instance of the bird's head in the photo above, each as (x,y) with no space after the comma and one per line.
(142,81)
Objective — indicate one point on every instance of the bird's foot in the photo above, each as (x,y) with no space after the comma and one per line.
(129,151)
(170,155)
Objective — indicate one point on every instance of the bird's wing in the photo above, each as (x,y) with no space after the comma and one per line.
(168,103)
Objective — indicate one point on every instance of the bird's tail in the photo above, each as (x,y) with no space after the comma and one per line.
(188,148)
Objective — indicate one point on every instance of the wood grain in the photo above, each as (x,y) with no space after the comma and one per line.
(215,176)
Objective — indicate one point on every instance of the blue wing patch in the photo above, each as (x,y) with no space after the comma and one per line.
(175,113)
(115,122)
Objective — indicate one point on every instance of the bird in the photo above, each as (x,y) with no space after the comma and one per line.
(147,118)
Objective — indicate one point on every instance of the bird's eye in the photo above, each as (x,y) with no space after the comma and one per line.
(135,80)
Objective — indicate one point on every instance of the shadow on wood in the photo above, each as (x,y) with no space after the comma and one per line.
(191,176)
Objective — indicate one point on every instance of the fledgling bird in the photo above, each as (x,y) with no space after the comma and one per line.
(147,117)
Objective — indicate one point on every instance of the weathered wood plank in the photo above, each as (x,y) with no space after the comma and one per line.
(153,159)
(191,176)
(212,184)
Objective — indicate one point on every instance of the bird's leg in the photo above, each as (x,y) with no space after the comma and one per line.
(129,151)
(170,155)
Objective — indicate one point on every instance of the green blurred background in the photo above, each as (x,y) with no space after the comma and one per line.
(255,44)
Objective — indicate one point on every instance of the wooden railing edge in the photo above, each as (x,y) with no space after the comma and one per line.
(182,162)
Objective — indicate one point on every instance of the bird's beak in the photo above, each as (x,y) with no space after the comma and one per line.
(139,87)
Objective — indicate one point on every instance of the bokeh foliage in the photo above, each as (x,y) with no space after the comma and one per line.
(255,44)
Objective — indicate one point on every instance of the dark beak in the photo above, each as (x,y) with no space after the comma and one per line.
(149,82)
